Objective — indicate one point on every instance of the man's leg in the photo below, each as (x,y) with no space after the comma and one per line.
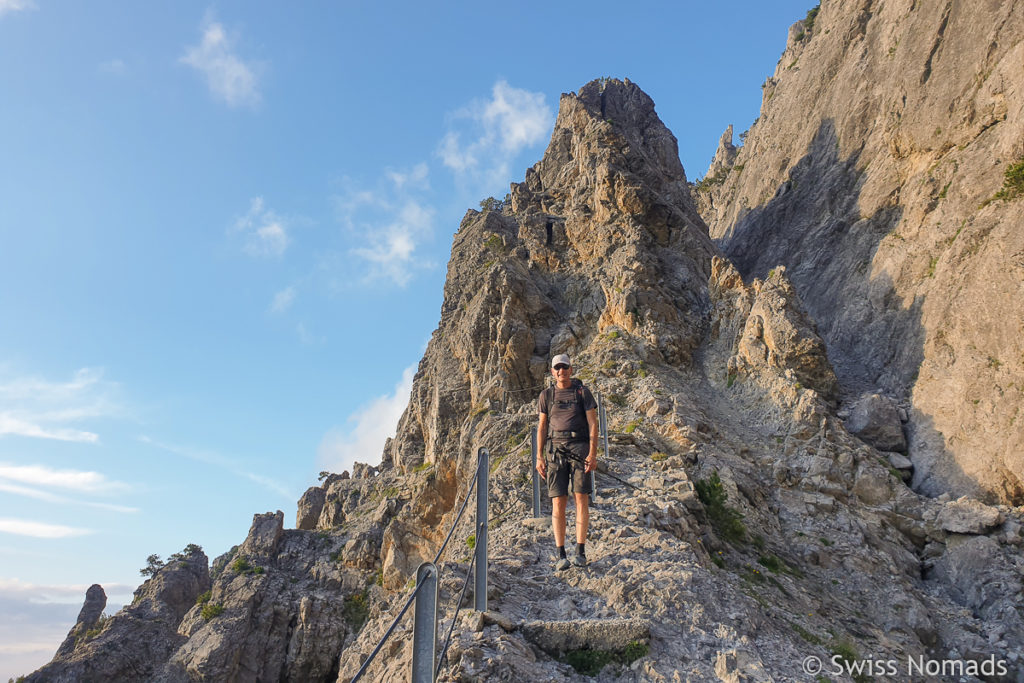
(582,517)
(558,519)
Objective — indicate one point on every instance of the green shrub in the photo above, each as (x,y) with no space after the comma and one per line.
(211,610)
(631,427)
(1013,182)
(241,564)
(471,541)
(707,182)
(724,519)
(153,565)
(658,456)
(490,204)
(770,562)
(356,610)
(495,244)
(204,598)
(812,15)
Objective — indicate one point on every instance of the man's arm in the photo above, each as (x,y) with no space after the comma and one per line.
(594,435)
(542,436)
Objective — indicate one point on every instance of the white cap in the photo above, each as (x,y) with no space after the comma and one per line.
(560,359)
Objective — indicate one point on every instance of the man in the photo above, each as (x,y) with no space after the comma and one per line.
(569,411)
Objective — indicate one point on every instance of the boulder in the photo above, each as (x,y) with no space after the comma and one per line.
(875,419)
(968,516)
(310,506)
(264,535)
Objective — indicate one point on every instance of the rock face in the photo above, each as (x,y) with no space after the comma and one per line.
(738,526)
(884,135)
(88,618)
(133,644)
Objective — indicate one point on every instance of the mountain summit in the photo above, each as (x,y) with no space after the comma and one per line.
(754,516)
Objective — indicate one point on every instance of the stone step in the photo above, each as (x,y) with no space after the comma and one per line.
(558,637)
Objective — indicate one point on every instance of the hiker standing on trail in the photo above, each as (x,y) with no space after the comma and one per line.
(568,419)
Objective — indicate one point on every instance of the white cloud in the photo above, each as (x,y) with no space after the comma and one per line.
(49,497)
(60,594)
(415,178)
(227,75)
(391,249)
(371,425)
(75,480)
(264,232)
(283,300)
(24,527)
(37,618)
(217,460)
(38,478)
(7,6)
(42,409)
(389,223)
(499,128)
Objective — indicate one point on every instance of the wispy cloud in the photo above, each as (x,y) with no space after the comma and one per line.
(25,527)
(390,222)
(74,480)
(265,234)
(222,462)
(7,6)
(37,618)
(413,178)
(47,594)
(114,67)
(43,409)
(488,134)
(32,481)
(283,300)
(390,250)
(371,425)
(229,77)
(309,338)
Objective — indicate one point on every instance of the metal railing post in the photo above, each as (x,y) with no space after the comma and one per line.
(602,429)
(536,474)
(480,585)
(424,630)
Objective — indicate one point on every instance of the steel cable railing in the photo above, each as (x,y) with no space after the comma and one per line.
(424,636)
(391,629)
(455,617)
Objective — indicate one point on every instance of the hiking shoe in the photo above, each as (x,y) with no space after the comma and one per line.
(563,563)
(580,560)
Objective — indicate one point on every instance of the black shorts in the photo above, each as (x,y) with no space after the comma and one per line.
(571,470)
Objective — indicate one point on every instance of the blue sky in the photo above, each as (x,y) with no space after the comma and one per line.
(223,236)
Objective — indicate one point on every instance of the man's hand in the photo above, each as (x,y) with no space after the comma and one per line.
(591,463)
(542,467)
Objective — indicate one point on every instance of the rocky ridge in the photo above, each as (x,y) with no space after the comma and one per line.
(754,529)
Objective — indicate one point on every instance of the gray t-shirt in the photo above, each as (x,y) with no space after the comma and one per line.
(563,415)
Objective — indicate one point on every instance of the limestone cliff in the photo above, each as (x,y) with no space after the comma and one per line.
(739,526)
(883,137)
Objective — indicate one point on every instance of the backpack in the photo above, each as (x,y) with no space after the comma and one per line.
(550,396)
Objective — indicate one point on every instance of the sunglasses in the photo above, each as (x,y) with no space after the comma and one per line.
(561,366)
